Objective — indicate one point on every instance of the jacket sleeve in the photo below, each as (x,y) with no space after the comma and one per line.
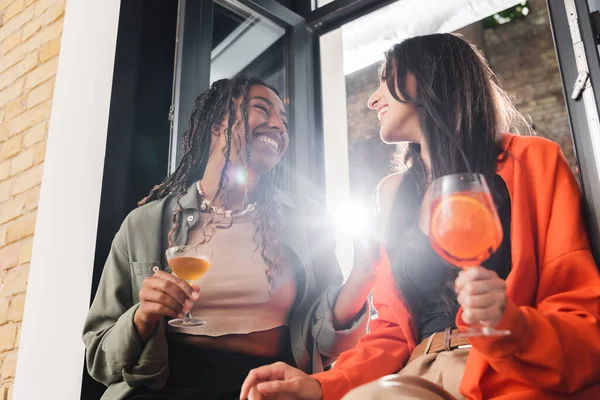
(554,346)
(330,342)
(383,351)
(114,351)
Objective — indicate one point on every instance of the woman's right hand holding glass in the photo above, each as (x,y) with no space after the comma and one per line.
(162,295)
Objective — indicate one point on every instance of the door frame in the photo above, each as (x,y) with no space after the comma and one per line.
(584,123)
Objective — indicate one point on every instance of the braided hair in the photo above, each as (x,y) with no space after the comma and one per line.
(210,110)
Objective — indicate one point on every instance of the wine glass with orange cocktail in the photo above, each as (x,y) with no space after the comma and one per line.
(188,263)
(464,228)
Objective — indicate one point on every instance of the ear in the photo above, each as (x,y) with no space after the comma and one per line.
(217,130)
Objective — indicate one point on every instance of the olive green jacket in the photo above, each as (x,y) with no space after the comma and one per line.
(118,358)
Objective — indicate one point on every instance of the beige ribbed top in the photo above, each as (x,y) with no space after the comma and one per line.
(234,293)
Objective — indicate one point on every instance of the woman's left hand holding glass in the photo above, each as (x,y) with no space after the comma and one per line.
(482,295)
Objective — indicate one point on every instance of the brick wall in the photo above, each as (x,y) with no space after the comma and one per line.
(522,55)
(30,33)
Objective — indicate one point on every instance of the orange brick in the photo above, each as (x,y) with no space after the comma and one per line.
(41,74)
(9,366)
(15,311)
(11,209)
(43,5)
(11,92)
(9,256)
(8,335)
(44,35)
(15,8)
(22,162)
(25,252)
(5,193)
(31,28)
(11,147)
(35,134)
(10,42)
(40,152)
(18,337)
(3,5)
(3,230)
(41,93)
(54,12)
(31,117)
(50,49)
(4,304)
(4,168)
(31,198)
(5,131)
(21,228)
(18,70)
(11,25)
(15,280)
(28,179)
(15,56)
(15,107)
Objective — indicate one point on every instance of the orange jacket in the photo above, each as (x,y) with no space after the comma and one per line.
(553,299)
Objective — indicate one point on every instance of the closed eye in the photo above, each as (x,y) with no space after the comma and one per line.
(263,108)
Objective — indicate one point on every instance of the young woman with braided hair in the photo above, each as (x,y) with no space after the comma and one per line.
(273,290)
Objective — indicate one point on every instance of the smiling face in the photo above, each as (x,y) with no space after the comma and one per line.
(399,121)
(268,135)
(268,126)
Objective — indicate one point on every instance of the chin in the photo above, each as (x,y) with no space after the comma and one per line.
(394,137)
(261,166)
(387,137)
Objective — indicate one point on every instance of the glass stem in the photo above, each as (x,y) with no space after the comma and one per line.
(187,318)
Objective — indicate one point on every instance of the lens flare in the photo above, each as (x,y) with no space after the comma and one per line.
(239,175)
(351,218)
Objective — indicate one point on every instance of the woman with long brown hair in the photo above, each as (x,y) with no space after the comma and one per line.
(272,291)
(438,95)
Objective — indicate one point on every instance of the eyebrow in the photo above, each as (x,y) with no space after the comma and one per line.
(269,102)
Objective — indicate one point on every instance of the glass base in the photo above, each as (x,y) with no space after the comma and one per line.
(190,322)
(480,331)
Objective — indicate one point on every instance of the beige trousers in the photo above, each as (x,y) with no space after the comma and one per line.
(434,376)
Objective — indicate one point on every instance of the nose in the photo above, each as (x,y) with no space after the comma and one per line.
(373,100)
(275,122)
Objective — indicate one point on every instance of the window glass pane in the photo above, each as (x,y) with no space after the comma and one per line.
(246,42)
(516,39)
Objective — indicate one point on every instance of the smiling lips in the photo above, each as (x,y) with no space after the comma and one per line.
(269,141)
(381,112)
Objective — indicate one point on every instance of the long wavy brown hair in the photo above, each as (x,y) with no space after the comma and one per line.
(462,110)
(210,110)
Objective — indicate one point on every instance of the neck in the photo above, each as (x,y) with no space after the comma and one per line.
(232,197)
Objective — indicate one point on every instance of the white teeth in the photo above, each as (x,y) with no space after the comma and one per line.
(269,141)
(381,112)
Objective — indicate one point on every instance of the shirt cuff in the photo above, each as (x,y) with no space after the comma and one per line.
(332,342)
(498,347)
(334,384)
